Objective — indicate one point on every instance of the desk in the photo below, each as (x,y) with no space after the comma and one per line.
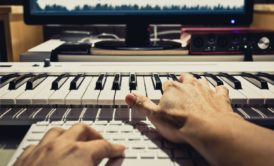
(18,36)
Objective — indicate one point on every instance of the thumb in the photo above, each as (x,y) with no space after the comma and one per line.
(141,103)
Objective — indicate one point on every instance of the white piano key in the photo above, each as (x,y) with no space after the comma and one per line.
(106,96)
(121,94)
(253,97)
(58,97)
(271,87)
(28,95)
(43,96)
(235,96)
(9,98)
(152,94)
(74,97)
(267,96)
(140,86)
(4,90)
(90,97)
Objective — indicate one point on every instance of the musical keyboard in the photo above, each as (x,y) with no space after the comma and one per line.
(30,92)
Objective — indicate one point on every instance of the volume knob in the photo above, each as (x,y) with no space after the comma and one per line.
(264,43)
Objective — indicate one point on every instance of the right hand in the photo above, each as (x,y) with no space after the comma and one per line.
(181,100)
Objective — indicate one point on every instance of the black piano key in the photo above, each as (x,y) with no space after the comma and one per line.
(255,80)
(9,114)
(132,82)
(266,111)
(214,80)
(122,114)
(42,114)
(59,81)
(19,81)
(173,77)
(100,83)
(267,77)
(74,114)
(116,85)
(90,114)
(58,114)
(157,83)
(106,113)
(250,112)
(230,80)
(137,115)
(35,81)
(77,81)
(7,78)
(196,76)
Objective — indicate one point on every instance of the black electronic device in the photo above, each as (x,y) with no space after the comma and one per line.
(11,2)
(235,41)
(137,15)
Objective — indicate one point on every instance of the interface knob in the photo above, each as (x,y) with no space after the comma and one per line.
(264,43)
(47,62)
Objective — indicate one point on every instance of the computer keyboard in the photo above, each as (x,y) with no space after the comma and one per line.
(143,143)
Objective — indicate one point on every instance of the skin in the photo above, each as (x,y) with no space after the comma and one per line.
(189,112)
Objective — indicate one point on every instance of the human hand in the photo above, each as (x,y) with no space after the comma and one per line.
(79,145)
(185,105)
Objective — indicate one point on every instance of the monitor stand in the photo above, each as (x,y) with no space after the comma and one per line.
(137,38)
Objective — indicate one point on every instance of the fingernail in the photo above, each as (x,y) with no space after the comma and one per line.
(131,99)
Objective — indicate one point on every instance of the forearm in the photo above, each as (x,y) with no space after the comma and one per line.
(230,140)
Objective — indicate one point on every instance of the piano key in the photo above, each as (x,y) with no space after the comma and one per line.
(137,115)
(252,96)
(214,80)
(152,94)
(19,81)
(74,114)
(132,81)
(4,90)
(241,113)
(116,85)
(140,86)
(106,96)
(90,97)
(255,80)
(58,97)
(100,83)
(10,113)
(9,98)
(266,95)
(251,113)
(74,97)
(157,84)
(28,95)
(59,82)
(267,112)
(90,114)
(58,114)
(196,75)
(121,114)
(76,82)
(173,77)
(163,80)
(42,97)
(232,81)
(4,80)
(121,94)
(235,96)
(267,77)
(35,81)
(106,113)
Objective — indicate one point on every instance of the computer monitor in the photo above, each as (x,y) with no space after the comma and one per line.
(137,15)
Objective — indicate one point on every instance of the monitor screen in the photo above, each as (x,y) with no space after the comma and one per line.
(151,11)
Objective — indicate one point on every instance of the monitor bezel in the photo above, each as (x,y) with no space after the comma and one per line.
(244,19)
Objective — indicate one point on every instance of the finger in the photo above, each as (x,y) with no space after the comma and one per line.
(101,149)
(81,132)
(169,83)
(204,83)
(222,91)
(26,153)
(52,134)
(141,103)
(187,78)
